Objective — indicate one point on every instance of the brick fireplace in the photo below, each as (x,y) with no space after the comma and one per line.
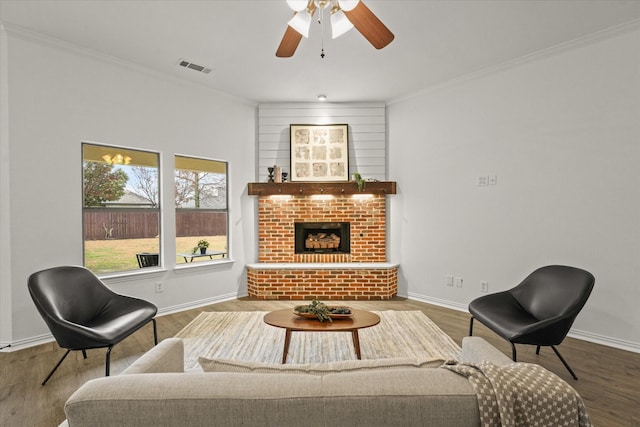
(361,272)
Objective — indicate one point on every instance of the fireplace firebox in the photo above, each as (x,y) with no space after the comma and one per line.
(322,237)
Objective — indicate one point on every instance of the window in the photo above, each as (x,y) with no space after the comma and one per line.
(201,210)
(121,208)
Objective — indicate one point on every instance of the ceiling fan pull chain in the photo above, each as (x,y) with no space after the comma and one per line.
(321,22)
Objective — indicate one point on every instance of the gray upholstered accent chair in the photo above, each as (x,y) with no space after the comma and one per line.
(82,313)
(539,311)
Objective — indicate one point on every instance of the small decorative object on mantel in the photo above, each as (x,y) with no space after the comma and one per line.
(271,169)
(202,245)
(278,173)
(321,311)
(358,179)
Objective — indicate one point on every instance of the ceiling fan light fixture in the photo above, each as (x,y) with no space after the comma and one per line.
(340,24)
(301,22)
(357,15)
(322,97)
(348,5)
(298,5)
(117,159)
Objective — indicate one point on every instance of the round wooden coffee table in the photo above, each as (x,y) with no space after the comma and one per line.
(288,320)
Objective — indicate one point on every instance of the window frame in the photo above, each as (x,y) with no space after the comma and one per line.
(203,261)
(157,209)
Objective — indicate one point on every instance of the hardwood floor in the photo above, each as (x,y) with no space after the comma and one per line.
(608,378)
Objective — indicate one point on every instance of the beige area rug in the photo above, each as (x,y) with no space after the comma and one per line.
(244,336)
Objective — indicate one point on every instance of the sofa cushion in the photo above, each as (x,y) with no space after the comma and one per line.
(227,365)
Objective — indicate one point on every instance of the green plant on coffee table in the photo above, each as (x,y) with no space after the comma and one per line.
(316,307)
(322,311)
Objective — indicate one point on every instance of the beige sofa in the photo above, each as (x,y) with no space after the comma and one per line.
(154,391)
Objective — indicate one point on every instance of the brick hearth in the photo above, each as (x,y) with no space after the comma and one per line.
(283,274)
(327,281)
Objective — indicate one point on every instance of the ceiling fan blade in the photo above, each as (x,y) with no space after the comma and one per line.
(289,43)
(369,25)
(291,38)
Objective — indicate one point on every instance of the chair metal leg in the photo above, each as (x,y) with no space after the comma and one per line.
(155,332)
(84,353)
(108,362)
(513,351)
(56,367)
(471,327)
(566,365)
(538,350)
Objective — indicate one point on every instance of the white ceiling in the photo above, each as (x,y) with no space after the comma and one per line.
(435,41)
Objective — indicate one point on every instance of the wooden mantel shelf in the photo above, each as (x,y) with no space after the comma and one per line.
(315,188)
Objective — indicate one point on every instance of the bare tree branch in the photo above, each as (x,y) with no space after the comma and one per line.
(146,184)
(195,188)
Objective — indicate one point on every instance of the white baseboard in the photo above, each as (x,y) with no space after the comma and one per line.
(604,340)
(195,304)
(26,343)
(573,333)
(439,302)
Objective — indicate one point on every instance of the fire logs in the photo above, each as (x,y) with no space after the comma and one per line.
(322,241)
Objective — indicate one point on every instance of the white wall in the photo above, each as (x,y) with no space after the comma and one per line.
(367,134)
(562,133)
(59,96)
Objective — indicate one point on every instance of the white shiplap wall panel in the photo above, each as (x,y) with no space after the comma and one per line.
(367,134)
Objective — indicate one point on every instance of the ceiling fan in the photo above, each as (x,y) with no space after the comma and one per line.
(344,15)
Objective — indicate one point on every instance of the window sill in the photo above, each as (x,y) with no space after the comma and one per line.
(126,276)
(215,264)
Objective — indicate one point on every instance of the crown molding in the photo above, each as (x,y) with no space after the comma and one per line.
(534,56)
(55,43)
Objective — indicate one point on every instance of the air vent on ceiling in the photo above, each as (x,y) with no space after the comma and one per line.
(200,68)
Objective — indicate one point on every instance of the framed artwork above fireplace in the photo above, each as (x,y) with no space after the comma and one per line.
(319,152)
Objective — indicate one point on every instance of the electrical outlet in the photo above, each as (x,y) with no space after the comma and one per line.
(458,282)
(484,286)
(449,281)
(483,180)
(159,287)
